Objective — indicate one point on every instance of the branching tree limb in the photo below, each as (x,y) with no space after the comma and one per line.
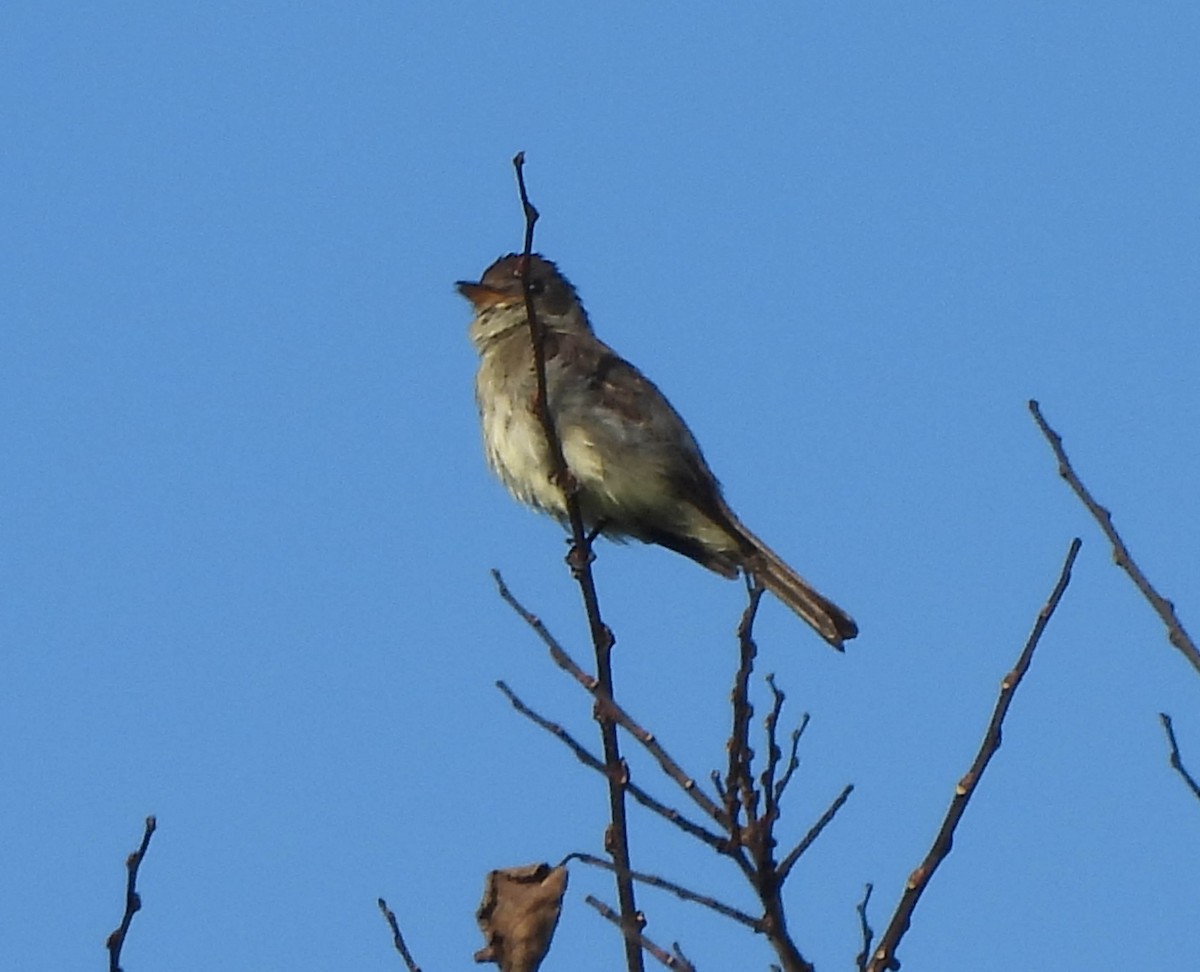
(749,808)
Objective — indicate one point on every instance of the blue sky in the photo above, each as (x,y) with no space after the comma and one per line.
(247,527)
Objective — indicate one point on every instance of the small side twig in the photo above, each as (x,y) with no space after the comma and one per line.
(672,960)
(669,766)
(1176,759)
(814,831)
(133,901)
(868,934)
(793,759)
(397,938)
(884,956)
(654,881)
(671,815)
(766,781)
(1176,634)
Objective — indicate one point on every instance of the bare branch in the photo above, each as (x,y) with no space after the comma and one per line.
(868,936)
(1176,633)
(739,792)
(774,754)
(1176,759)
(716,841)
(671,961)
(397,938)
(531,214)
(793,759)
(678,890)
(580,561)
(756,833)
(133,902)
(814,832)
(557,652)
(617,714)
(885,955)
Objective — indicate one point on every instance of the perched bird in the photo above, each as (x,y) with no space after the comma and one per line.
(638,469)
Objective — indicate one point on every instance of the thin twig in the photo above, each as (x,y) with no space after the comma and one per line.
(793,759)
(739,789)
(678,890)
(133,901)
(756,833)
(766,782)
(557,652)
(397,938)
(716,841)
(1176,759)
(868,935)
(814,832)
(1176,633)
(885,954)
(669,766)
(579,559)
(683,960)
(671,961)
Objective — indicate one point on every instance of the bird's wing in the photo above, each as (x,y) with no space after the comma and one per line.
(589,381)
(593,386)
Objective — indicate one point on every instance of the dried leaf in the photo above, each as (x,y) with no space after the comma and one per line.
(518,915)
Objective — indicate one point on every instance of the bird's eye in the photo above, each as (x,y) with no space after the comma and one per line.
(537,287)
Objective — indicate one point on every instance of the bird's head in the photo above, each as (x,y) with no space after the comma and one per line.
(502,286)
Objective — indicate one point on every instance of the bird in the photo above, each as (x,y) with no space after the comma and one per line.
(635,466)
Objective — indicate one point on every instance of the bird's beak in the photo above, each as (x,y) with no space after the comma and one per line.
(481,295)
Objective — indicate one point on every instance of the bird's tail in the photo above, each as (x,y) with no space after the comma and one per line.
(826,618)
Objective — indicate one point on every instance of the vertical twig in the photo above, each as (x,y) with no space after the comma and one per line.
(579,559)
(1176,758)
(739,789)
(133,901)
(864,926)
(756,832)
